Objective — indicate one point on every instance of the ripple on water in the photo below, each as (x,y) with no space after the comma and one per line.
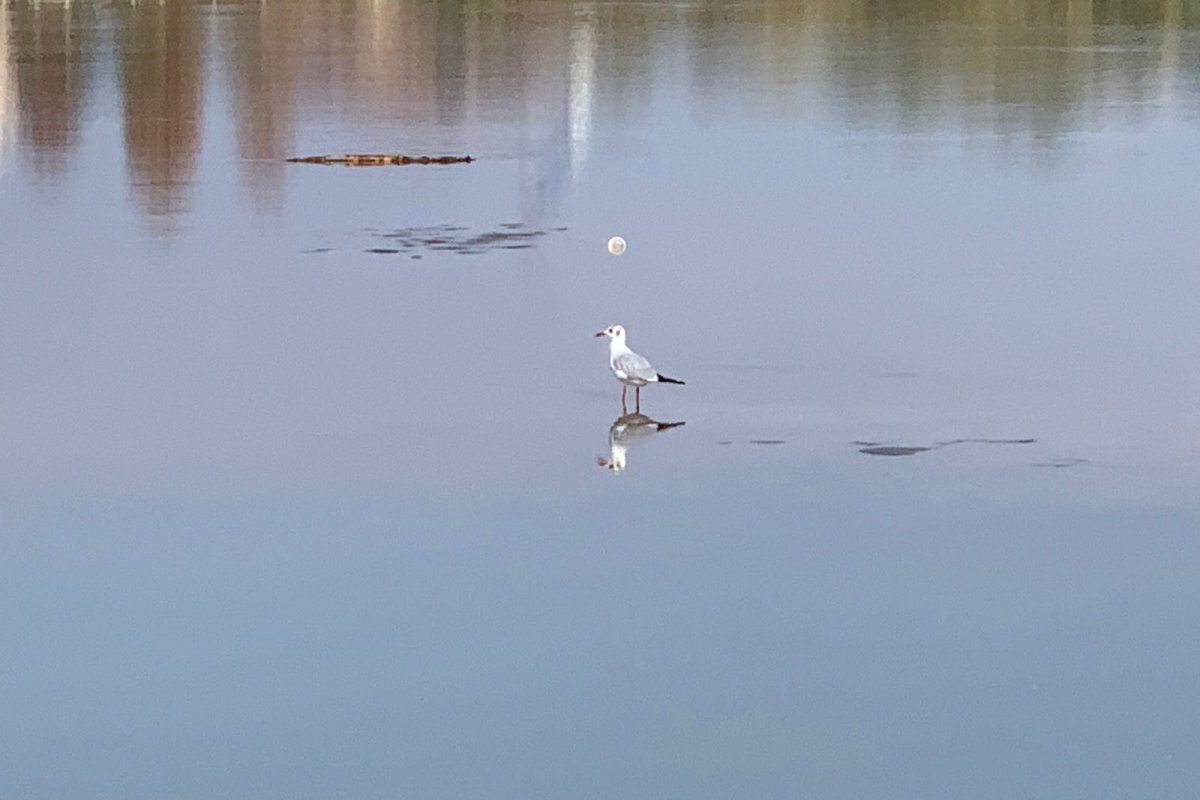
(416,242)
(457,239)
(1061,463)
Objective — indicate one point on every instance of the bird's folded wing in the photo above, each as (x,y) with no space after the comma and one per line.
(634,366)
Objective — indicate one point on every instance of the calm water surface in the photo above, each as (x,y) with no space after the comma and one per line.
(300,493)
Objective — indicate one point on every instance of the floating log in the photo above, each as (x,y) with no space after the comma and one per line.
(380,160)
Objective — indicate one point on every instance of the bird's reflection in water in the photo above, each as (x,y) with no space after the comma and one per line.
(626,431)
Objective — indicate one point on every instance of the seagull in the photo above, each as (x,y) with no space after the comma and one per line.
(630,368)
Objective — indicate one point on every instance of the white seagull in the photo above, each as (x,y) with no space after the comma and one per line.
(630,368)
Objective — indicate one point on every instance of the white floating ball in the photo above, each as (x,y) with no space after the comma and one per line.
(616,245)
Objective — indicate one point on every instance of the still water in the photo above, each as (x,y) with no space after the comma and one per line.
(315,481)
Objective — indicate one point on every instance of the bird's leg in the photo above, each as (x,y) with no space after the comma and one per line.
(637,399)
(624,388)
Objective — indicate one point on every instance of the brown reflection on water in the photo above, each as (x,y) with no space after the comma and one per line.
(159,62)
(8,114)
(262,95)
(1027,73)
(51,50)
(995,67)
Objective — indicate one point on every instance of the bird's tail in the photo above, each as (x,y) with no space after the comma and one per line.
(664,379)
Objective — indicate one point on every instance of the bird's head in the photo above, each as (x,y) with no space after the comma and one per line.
(613,332)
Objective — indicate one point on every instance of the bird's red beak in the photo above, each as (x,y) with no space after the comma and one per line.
(598,335)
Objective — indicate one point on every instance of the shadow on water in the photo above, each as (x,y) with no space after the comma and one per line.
(626,431)
(881,449)
(892,450)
